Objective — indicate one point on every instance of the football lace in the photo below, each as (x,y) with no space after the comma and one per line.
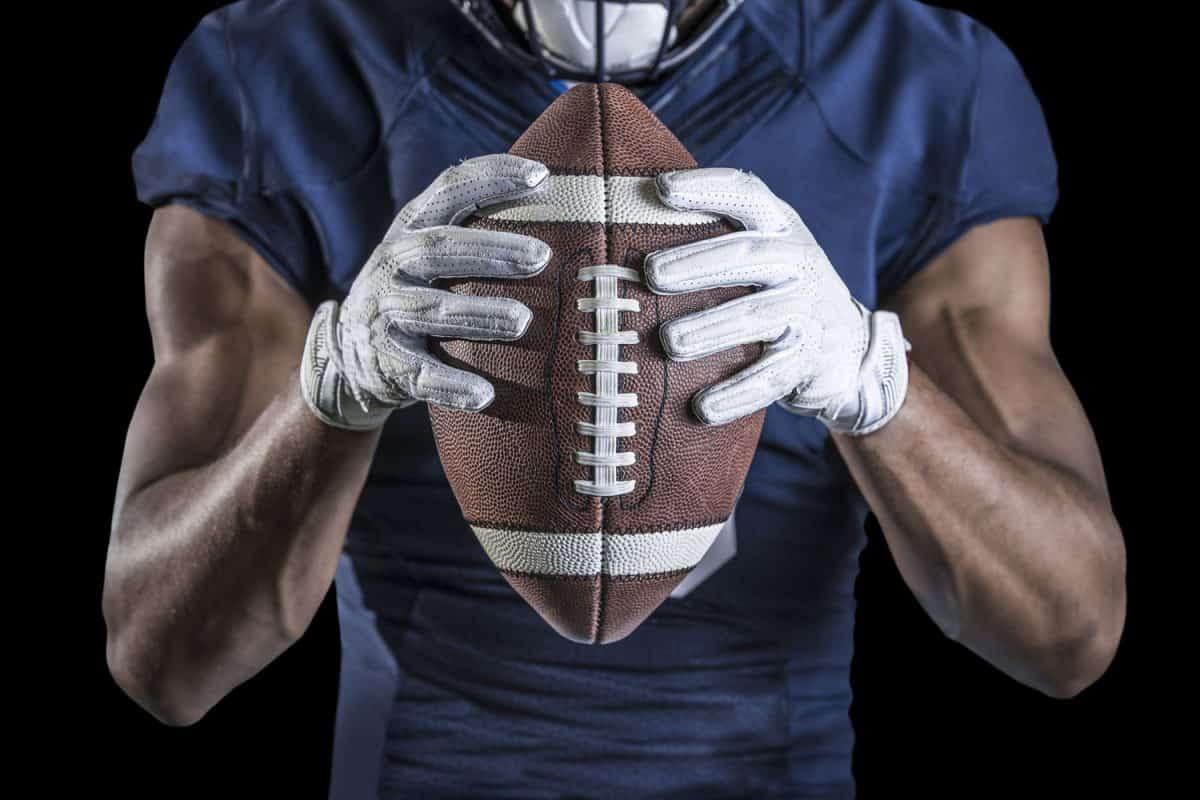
(605,427)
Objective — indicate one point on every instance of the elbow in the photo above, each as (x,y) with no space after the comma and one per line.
(1087,642)
(1079,660)
(1066,679)
(138,668)
(154,689)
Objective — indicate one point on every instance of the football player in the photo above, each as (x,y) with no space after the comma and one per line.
(891,169)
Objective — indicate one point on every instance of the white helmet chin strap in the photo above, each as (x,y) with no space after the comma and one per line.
(632,35)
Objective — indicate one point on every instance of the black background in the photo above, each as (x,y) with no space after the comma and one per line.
(932,719)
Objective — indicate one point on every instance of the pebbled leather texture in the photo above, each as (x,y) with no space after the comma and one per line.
(513,467)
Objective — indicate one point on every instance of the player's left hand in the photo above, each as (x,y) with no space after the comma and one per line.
(826,356)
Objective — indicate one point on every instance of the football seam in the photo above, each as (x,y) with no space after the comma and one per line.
(641,577)
(630,503)
(602,597)
(525,528)
(571,499)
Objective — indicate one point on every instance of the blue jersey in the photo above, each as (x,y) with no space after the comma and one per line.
(890,126)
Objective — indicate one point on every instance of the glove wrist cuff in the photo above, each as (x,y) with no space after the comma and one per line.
(323,383)
(882,379)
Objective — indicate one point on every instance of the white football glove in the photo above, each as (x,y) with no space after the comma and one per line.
(827,356)
(369,355)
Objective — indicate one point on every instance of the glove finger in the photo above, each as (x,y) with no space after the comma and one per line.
(773,376)
(415,375)
(744,258)
(468,186)
(453,252)
(760,317)
(731,193)
(436,312)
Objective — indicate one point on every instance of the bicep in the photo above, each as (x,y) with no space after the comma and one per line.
(978,319)
(227,334)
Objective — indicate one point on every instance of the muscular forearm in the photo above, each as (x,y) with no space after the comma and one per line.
(1015,557)
(215,569)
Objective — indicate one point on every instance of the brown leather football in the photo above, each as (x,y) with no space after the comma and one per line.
(589,481)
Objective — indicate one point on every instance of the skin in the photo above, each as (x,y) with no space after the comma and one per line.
(988,484)
(234,501)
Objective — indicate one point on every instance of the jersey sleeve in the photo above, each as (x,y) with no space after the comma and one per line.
(1008,168)
(201,151)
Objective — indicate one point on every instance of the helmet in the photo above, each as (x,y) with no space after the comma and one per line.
(641,38)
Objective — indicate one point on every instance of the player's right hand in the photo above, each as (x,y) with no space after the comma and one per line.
(369,355)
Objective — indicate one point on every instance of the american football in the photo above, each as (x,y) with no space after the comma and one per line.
(588,481)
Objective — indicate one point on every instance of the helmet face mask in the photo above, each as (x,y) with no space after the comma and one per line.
(641,40)
(635,32)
